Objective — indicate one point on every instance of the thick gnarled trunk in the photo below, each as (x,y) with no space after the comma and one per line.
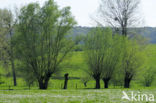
(106,82)
(127,82)
(97,79)
(127,79)
(97,83)
(43,84)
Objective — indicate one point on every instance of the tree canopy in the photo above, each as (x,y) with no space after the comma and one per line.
(41,40)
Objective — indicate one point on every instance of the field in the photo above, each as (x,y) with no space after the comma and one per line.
(76,92)
(50,52)
(69,96)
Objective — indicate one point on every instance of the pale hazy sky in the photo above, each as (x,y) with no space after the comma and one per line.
(82,10)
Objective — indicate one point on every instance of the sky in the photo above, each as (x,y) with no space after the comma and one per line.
(83,10)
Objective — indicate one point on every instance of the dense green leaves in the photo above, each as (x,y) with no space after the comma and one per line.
(103,50)
(41,43)
(111,54)
(7,24)
(41,40)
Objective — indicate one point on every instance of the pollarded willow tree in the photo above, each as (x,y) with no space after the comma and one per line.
(103,54)
(41,39)
(132,60)
(113,57)
(119,14)
(94,53)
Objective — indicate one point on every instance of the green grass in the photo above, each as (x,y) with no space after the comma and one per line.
(76,93)
(69,96)
(75,65)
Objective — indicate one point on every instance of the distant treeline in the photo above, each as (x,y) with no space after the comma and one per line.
(149,32)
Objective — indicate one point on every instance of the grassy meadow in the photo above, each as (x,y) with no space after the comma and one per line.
(76,92)
(69,96)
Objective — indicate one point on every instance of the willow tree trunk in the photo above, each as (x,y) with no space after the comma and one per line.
(11,53)
(127,82)
(97,79)
(97,83)
(106,82)
(43,83)
(13,72)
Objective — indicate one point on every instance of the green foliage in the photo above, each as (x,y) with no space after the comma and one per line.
(103,52)
(94,46)
(85,80)
(148,76)
(42,45)
(5,17)
(133,57)
(41,39)
(7,24)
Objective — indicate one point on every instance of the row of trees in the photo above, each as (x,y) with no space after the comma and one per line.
(38,41)
(118,53)
(111,54)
